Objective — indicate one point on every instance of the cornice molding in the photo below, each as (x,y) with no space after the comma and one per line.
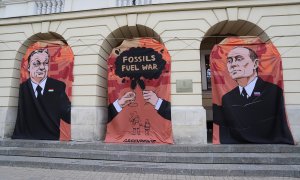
(8,2)
(187,6)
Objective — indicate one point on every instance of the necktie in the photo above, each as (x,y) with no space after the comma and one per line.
(39,91)
(244,94)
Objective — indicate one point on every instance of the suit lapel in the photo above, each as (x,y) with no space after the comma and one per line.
(258,90)
(30,88)
(237,98)
(46,87)
(49,88)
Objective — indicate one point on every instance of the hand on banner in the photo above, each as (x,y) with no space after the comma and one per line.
(128,98)
(162,106)
(150,97)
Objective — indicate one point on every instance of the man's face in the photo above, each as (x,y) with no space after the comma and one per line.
(239,63)
(38,66)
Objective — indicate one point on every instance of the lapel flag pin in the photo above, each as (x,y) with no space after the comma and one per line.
(256,93)
(50,90)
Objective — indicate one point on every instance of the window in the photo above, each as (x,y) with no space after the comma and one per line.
(205,70)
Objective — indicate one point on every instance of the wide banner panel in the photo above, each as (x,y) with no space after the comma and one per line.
(44,110)
(247,93)
(139,107)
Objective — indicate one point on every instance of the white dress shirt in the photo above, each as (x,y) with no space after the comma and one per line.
(119,108)
(42,85)
(249,88)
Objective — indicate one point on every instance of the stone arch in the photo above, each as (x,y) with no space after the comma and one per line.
(223,29)
(37,37)
(213,36)
(10,123)
(116,37)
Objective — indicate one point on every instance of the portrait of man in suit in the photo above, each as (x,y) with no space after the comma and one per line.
(42,101)
(162,106)
(252,112)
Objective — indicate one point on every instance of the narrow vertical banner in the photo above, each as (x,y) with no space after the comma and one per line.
(139,107)
(247,93)
(44,109)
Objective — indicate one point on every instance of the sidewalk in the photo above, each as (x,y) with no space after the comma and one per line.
(19,173)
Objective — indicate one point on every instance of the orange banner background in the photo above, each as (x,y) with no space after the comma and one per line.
(61,64)
(269,68)
(119,130)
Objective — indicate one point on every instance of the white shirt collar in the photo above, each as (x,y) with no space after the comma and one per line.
(249,88)
(41,84)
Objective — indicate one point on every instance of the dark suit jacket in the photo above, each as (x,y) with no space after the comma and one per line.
(40,119)
(259,119)
(164,110)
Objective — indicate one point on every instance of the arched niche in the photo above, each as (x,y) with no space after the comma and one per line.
(116,37)
(213,36)
(51,36)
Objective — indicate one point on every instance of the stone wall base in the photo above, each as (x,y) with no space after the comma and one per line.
(88,123)
(293,114)
(189,125)
(8,116)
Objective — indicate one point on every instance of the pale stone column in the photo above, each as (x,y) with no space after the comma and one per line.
(188,113)
(89,92)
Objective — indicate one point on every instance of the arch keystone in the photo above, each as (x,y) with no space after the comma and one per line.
(232,14)
(45,27)
(131,19)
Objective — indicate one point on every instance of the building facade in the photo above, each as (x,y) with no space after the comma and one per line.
(189,30)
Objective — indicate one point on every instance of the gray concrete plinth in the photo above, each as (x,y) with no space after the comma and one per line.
(88,123)
(8,116)
(189,125)
(293,114)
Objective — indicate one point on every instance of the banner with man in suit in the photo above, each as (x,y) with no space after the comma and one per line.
(139,107)
(44,109)
(247,93)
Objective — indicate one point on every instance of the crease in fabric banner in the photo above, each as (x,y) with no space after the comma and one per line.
(247,93)
(139,106)
(44,108)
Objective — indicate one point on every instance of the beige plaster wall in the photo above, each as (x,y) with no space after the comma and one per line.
(180,27)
